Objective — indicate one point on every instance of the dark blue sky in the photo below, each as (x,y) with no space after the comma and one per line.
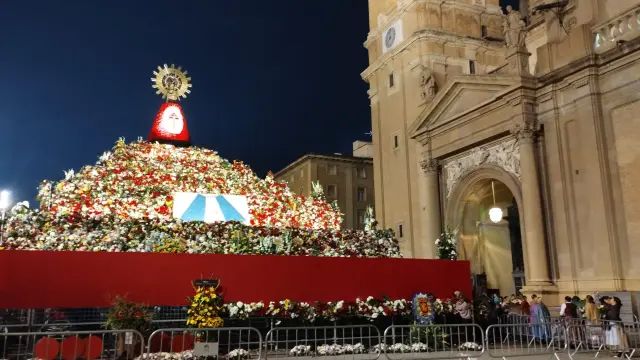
(272,80)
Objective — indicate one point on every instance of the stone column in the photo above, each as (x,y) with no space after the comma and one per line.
(432,201)
(537,260)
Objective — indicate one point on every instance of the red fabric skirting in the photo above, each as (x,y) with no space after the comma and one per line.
(38,279)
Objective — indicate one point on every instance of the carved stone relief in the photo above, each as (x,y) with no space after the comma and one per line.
(505,155)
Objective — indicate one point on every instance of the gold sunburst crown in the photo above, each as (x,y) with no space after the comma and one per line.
(171,82)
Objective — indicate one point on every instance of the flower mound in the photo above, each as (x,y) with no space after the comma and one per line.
(136,181)
(124,203)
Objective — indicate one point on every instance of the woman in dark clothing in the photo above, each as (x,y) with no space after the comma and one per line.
(614,329)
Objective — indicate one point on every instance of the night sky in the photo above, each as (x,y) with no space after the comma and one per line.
(272,80)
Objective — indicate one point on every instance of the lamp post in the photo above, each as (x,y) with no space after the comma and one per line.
(4,205)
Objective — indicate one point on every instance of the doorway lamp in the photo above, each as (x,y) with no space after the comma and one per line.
(495,213)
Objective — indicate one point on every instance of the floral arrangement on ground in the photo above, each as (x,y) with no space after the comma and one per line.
(370,309)
(124,203)
(322,350)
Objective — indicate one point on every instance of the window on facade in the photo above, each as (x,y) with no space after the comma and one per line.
(332,190)
(362,194)
(333,170)
(396,142)
(400,231)
(361,213)
(472,67)
(483,31)
(362,173)
(391,80)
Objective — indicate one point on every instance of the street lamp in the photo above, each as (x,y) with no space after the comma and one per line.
(5,198)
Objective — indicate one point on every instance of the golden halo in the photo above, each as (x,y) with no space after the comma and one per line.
(171,82)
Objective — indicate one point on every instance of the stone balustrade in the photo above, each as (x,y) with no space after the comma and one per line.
(621,28)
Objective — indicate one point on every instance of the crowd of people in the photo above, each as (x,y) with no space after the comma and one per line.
(602,314)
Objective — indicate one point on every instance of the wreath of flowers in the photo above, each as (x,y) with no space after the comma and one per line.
(125,314)
(205,307)
(420,301)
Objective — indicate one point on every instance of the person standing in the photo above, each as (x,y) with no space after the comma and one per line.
(615,338)
(591,311)
(525,307)
(568,310)
(462,308)
(539,319)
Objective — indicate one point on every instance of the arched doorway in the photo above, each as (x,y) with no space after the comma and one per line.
(494,249)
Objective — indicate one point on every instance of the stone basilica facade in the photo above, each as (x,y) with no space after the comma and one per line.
(536,112)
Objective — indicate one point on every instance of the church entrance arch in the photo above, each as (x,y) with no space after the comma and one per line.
(494,249)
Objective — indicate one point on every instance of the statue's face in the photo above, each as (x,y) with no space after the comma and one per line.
(171,121)
(509,8)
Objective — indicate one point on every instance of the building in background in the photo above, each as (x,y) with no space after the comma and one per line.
(346,179)
(477,109)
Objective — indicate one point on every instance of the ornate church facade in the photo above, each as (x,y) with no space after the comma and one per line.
(535,112)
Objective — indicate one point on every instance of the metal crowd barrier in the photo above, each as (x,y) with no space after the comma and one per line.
(503,341)
(354,342)
(607,336)
(433,342)
(89,345)
(239,343)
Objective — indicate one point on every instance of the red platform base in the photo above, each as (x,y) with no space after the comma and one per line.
(40,279)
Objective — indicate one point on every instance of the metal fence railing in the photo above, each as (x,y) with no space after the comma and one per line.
(355,341)
(516,340)
(552,336)
(89,345)
(230,343)
(609,336)
(433,341)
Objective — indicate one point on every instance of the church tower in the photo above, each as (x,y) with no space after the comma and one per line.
(414,47)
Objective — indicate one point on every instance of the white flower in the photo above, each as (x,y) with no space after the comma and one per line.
(419,347)
(69,174)
(400,348)
(300,350)
(105,156)
(238,354)
(333,349)
(470,346)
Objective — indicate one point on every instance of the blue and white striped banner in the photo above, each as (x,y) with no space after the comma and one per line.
(210,208)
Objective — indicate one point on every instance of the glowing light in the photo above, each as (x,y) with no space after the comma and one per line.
(495,214)
(5,198)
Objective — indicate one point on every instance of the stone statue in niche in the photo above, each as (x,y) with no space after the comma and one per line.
(513,27)
(428,86)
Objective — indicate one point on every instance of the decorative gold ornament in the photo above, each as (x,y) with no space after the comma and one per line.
(171,82)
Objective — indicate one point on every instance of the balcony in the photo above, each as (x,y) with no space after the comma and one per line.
(621,28)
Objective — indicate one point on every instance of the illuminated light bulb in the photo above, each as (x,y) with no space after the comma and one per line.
(495,214)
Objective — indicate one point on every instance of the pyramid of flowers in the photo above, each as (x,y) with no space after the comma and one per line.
(137,180)
(124,203)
